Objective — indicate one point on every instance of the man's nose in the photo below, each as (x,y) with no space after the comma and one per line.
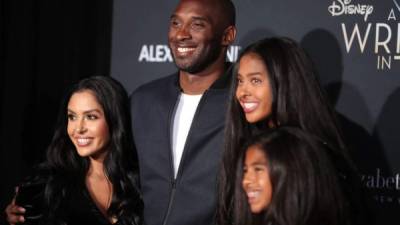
(183,32)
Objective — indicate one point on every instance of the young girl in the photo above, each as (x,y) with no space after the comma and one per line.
(285,177)
(90,175)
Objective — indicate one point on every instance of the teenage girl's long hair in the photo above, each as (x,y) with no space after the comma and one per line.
(298,100)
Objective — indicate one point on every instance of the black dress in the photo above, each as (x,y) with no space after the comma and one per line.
(75,208)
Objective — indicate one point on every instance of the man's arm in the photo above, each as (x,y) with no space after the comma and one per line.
(15,213)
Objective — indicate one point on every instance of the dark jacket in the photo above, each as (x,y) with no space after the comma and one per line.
(191,197)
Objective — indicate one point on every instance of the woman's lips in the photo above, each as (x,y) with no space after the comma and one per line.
(249,107)
(83,141)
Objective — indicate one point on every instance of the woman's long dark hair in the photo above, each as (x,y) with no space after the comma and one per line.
(305,183)
(67,169)
(298,100)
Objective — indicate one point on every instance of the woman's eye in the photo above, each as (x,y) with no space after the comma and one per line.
(255,81)
(91,117)
(71,117)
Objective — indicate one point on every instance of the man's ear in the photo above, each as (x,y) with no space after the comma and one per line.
(229,36)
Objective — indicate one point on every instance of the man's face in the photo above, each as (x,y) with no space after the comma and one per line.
(195,35)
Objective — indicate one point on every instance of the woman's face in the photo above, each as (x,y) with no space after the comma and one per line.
(254,90)
(256,181)
(87,126)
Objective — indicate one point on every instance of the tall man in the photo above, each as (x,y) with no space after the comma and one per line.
(178,120)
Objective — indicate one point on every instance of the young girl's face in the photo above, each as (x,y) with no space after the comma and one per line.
(253,89)
(256,181)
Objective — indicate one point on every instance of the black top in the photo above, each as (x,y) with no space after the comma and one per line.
(76,208)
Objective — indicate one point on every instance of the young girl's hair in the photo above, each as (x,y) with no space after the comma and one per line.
(305,184)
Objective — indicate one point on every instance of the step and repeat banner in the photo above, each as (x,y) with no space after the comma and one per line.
(355,45)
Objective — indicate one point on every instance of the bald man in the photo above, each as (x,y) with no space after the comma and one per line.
(178,120)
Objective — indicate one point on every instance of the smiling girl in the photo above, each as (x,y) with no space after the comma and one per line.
(285,177)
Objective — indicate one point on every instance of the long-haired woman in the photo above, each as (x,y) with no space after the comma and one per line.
(90,175)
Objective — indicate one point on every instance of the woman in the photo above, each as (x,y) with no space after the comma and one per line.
(91,174)
(285,177)
(276,86)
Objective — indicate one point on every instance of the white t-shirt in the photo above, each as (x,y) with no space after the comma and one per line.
(182,122)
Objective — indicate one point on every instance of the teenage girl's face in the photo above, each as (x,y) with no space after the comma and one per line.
(254,90)
(87,126)
(256,181)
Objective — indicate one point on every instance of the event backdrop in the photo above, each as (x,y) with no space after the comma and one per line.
(355,45)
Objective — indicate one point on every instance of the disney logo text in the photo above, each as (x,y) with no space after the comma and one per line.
(344,7)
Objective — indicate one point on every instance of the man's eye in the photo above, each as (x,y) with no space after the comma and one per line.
(198,26)
(174,23)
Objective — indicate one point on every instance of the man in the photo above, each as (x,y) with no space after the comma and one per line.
(178,120)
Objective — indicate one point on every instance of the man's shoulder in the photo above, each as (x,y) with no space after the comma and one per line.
(156,85)
(155,90)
